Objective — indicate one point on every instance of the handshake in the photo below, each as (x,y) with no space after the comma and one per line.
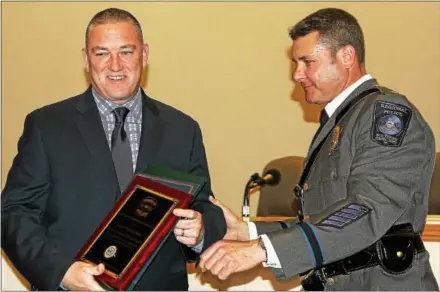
(236,252)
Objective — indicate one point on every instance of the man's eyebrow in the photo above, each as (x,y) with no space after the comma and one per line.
(303,58)
(128,47)
(98,48)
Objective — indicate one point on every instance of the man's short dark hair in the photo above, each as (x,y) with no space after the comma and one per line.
(113,15)
(336,28)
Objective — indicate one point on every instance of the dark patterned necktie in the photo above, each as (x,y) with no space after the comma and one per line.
(121,151)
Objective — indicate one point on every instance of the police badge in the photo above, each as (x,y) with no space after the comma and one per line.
(336,136)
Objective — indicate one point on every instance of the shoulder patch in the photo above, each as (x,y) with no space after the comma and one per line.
(390,122)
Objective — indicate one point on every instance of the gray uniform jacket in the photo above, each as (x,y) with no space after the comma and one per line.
(376,164)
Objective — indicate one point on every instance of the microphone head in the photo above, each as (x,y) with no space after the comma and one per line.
(255,176)
(273,176)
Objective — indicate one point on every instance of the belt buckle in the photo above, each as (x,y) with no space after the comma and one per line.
(311,282)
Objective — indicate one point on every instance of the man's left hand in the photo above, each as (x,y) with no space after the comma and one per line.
(226,257)
(189,228)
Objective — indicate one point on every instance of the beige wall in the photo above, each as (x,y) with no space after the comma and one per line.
(223,63)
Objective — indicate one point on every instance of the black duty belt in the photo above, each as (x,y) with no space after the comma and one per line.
(394,253)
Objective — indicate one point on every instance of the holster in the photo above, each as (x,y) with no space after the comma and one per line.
(396,249)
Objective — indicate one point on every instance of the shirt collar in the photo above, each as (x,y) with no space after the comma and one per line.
(331,107)
(106,107)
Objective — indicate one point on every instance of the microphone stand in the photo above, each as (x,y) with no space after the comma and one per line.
(245,211)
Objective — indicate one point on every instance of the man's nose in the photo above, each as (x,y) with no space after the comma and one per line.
(115,63)
(298,74)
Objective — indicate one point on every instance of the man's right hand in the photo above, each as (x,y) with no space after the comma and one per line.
(81,277)
(236,228)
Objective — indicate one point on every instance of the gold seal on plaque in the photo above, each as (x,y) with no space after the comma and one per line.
(110,251)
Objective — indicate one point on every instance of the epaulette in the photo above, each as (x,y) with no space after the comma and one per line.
(385,90)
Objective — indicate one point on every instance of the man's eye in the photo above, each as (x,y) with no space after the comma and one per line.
(308,62)
(101,54)
(126,53)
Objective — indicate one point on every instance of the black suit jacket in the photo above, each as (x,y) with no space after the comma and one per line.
(62,184)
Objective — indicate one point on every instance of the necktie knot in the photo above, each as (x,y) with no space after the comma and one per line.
(120,114)
(323,118)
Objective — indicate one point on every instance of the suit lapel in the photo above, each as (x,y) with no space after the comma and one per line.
(152,133)
(331,122)
(89,125)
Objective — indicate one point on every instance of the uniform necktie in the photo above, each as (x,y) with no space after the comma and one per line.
(121,151)
(323,118)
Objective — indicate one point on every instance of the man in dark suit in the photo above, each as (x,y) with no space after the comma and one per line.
(365,183)
(75,156)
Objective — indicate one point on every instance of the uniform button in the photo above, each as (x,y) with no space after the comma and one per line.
(334,174)
(305,187)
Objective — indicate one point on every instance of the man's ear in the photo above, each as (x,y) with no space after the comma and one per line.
(85,59)
(347,56)
(145,51)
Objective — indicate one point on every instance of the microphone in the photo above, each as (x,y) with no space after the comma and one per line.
(271,177)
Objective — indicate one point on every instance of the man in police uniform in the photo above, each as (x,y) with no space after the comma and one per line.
(365,184)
